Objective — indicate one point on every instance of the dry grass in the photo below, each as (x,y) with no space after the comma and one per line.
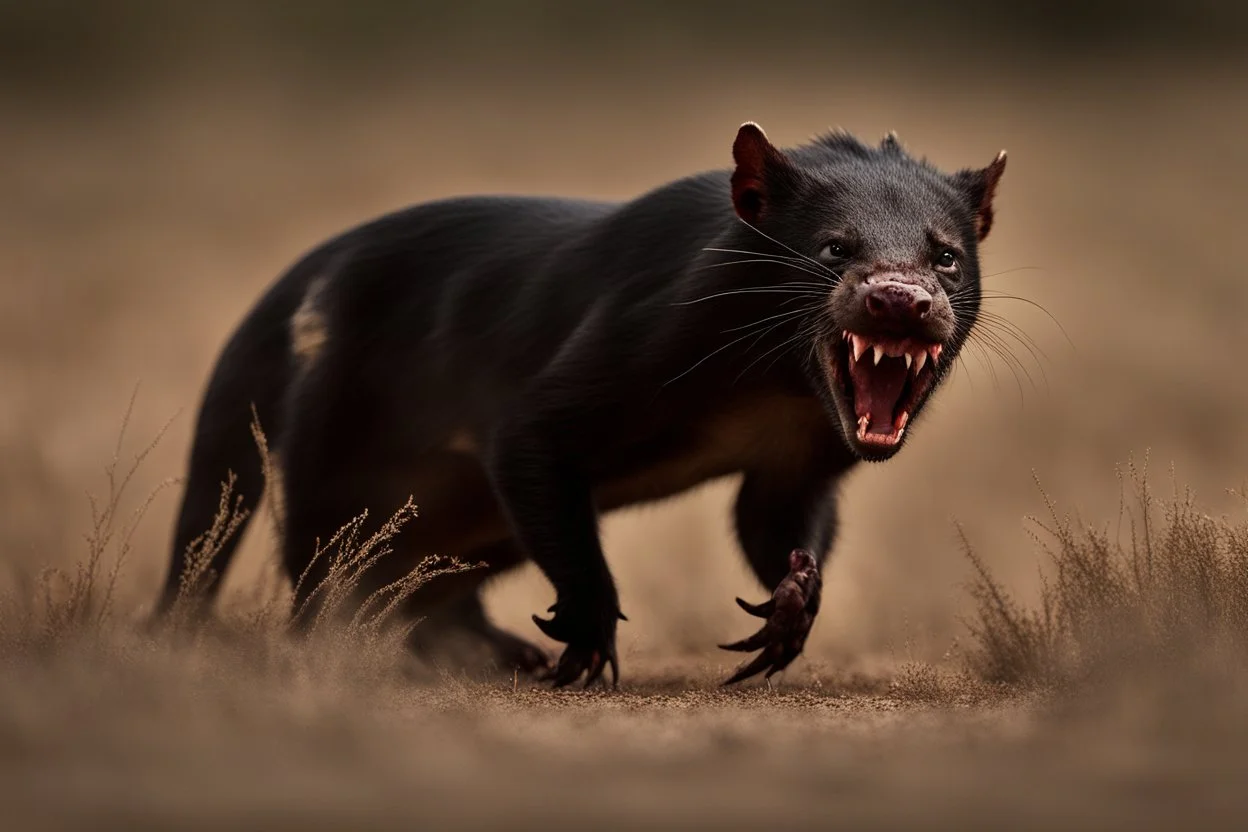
(60,604)
(297,730)
(341,629)
(1167,587)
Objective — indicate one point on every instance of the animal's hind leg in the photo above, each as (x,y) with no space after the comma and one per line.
(328,484)
(450,621)
(339,461)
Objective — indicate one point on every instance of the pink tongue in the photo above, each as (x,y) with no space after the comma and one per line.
(877,388)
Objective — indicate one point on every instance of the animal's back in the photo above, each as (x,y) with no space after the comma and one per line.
(455,305)
(402,305)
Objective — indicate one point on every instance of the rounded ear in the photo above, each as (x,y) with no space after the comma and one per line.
(760,168)
(980,186)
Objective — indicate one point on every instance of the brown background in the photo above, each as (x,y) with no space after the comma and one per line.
(160,164)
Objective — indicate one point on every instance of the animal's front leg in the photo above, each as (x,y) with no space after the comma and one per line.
(786,529)
(790,613)
(549,504)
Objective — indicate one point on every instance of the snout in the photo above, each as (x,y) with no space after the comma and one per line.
(895,328)
(897,303)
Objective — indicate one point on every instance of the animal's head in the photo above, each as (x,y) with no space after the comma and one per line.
(893,243)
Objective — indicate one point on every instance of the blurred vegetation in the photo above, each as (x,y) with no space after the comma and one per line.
(75,43)
(1163,589)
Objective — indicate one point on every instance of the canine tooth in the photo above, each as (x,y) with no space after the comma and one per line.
(909,358)
(919,360)
(863,423)
(879,353)
(902,421)
(859,344)
(935,351)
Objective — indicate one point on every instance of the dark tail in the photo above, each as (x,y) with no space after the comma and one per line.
(255,369)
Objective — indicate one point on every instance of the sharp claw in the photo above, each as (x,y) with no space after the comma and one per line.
(758,663)
(566,675)
(588,657)
(597,664)
(789,614)
(763,610)
(781,663)
(547,626)
(759,640)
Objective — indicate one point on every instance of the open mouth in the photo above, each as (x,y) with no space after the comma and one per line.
(883,380)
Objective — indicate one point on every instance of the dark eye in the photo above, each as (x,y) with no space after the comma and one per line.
(834,251)
(946,260)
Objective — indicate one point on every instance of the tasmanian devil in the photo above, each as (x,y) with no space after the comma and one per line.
(521,365)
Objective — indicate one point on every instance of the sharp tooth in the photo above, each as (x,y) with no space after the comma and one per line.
(935,351)
(879,353)
(859,344)
(909,358)
(863,423)
(919,360)
(902,421)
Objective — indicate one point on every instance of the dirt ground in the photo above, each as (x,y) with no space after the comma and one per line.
(148,739)
(135,232)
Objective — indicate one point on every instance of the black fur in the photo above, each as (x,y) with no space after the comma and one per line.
(522,365)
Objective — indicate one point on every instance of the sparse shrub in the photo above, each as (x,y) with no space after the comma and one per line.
(1168,585)
(334,605)
(60,603)
(61,607)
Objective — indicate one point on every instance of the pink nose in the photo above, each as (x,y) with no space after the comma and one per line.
(898,302)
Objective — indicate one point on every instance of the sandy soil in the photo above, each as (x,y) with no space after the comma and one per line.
(151,739)
(134,233)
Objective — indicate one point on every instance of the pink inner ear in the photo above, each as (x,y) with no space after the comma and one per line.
(991,177)
(753,154)
(983,222)
(747,197)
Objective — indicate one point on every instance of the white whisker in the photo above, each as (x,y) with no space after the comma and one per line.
(752,253)
(787,314)
(798,267)
(807,258)
(754,290)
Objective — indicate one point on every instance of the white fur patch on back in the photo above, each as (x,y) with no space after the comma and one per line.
(308,331)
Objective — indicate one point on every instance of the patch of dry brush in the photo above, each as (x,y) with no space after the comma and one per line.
(1167,588)
(1166,584)
(61,610)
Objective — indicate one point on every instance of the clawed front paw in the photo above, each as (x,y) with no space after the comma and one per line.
(590,637)
(790,613)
